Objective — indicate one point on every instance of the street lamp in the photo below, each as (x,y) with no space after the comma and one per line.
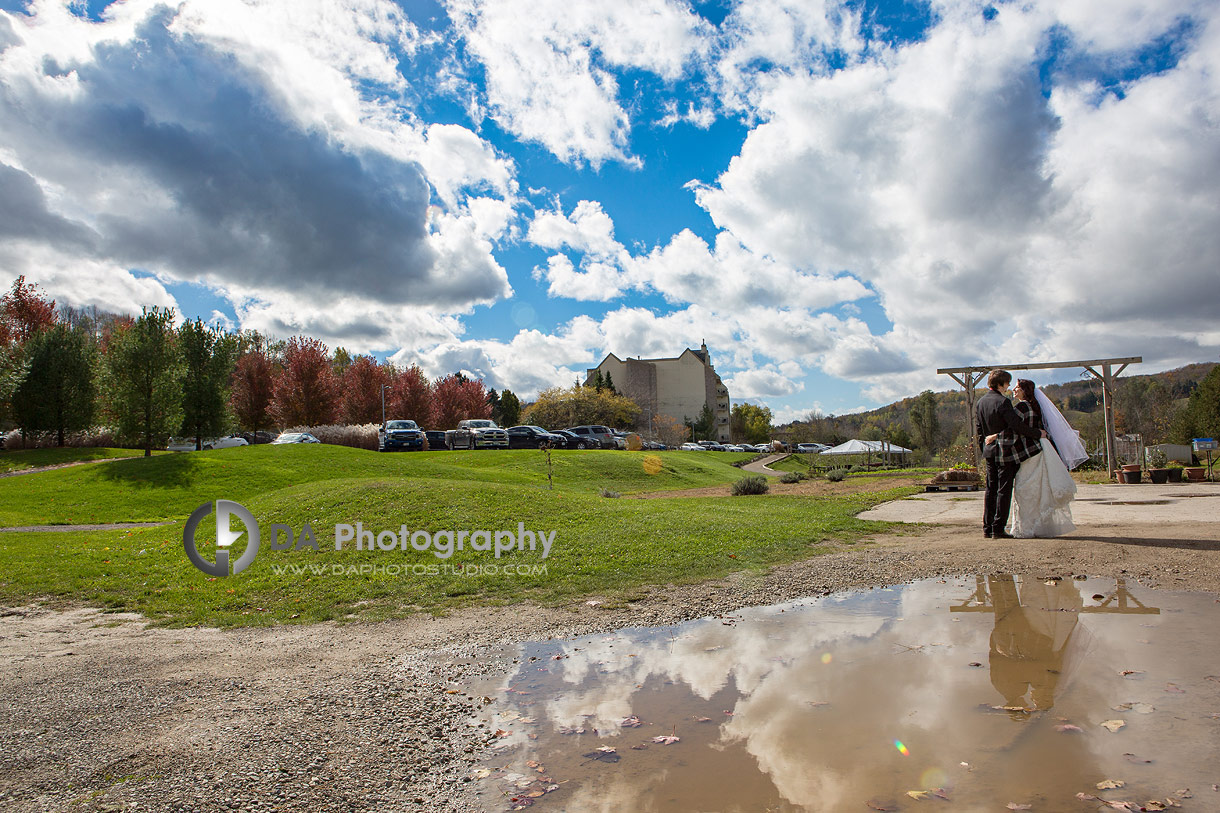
(384,387)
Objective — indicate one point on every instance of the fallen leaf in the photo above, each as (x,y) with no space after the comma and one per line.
(703,719)
(501,733)
(666,739)
(1138,708)
(532,764)
(1015,806)
(1128,672)
(1173,688)
(632,722)
(482,773)
(1184,794)
(1133,759)
(1068,727)
(975,663)
(1155,804)
(1113,725)
(886,805)
(932,793)
(640,747)
(1111,784)
(603,754)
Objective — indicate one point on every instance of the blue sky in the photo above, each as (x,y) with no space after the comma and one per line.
(839,197)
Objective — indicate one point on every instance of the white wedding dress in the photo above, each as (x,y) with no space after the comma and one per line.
(1042,496)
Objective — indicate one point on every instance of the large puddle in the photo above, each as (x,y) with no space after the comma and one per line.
(980,694)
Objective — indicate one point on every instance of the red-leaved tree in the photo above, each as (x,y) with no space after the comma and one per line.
(306,392)
(458,398)
(410,397)
(251,388)
(24,311)
(362,382)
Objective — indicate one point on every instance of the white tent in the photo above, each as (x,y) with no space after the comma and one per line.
(867,447)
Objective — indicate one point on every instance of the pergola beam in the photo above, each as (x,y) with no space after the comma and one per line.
(969,380)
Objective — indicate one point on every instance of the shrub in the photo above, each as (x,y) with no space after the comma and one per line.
(97,436)
(793,477)
(754,484)
(605,492)
(836,475)
(363,436)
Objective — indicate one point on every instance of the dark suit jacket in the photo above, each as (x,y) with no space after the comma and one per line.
(995,414)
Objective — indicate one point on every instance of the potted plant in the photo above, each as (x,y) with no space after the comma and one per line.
(1156,467)
(1175,471)
(1196,474)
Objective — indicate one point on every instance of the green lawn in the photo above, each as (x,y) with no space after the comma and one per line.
(18,459)
(601,546)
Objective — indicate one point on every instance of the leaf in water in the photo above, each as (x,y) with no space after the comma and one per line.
(883,805)
(1214,678)
(1129,672)
(1155,804)
(703,719)
(603,754)
(975,663)
(1133,759)
(1184,793)
(606,749)
(1173,688)
(1111,784)
(482,773)
(1068,727)
(1113,725)
(532,764)
(1015,806)
(666,739)
(1138,708)
(1172,802)
(931,793)
(632,722)
(501,733)
(640,747)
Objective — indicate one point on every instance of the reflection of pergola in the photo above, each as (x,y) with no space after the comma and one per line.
(1120,598)
(970,377)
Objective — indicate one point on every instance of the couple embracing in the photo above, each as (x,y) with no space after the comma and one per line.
(1029,449)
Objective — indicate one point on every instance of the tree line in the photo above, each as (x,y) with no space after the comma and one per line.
(69,370)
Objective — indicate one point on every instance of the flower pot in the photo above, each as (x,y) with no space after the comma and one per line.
(1196,473)
(1175,475)
(1159,477)
(1132,478)
(1131,467)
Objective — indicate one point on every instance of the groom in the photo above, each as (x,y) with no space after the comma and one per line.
(994,414)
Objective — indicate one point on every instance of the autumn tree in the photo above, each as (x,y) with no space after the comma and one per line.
(142,378)
(670,431)
(24,311)
(575,406)
(208,355)
(57,393)
(410,396)
(362,383)
(1200,418)
(458,398)
(306,392)
(251,390)
(750,423)
(926,421)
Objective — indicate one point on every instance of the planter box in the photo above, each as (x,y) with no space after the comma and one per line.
(1175,475)
(1196,474)
(1133,478)
(1159,476)
(1132,467)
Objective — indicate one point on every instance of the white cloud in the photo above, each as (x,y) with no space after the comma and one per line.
(549,65)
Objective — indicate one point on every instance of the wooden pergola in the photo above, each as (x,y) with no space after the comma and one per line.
(970,377)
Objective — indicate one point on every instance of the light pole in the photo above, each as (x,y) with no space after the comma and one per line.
(384,387)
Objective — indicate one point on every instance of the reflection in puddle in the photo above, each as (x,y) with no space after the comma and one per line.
(984,691)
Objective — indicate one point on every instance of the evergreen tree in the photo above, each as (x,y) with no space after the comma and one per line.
(510,409)
(599,382)
(208,356)
(926,421)
(609,383)
(57,394)
(142,379)
(1200,418)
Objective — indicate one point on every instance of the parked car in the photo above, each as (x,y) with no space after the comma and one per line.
(436,439)
(811,448)
(595,436)
(400,434)
(532,437)
(653,445)
(693,447)
(477,433)
(188,444)
(567,440)
(294,437)
(260,436)
(712,446)
(734,447)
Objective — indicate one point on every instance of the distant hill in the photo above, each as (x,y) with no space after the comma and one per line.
(1143,404)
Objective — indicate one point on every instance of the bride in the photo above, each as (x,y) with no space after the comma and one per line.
(1044,489)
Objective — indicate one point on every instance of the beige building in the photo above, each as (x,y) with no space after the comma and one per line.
(678,387)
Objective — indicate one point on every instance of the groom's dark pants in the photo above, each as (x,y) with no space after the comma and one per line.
(997,502)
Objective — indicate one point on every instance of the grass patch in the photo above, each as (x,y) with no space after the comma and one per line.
(171,486)
(19,459)
(601,546)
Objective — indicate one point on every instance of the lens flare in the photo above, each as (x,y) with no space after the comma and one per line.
(653,464)
(827,657)
(902,749)
(933,778)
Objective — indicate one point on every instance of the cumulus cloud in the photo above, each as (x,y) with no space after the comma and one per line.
(550,65)
(173,139)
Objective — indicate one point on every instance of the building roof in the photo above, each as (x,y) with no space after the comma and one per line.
(865,447)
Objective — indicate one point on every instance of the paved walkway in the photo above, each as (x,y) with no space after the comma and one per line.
(763,466)
(1095,504)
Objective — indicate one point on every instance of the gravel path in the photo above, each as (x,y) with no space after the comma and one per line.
(99,712)
(763,466)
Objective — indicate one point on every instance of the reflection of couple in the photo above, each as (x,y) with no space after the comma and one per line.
(1013,441)
(1031,639)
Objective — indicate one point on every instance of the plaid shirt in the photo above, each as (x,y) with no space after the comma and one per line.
(1024,448)
(1009,446)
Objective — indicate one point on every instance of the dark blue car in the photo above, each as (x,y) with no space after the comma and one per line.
(399,435)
